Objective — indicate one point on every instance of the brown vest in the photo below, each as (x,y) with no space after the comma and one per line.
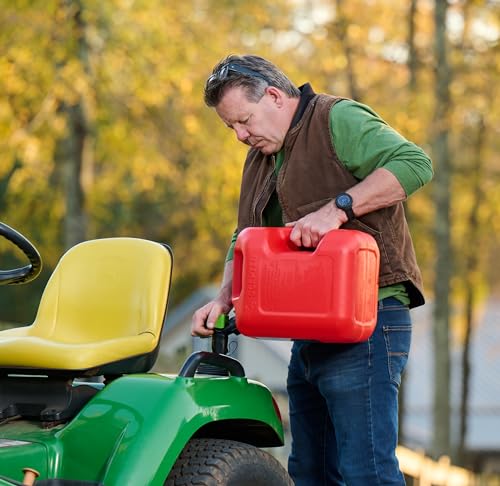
(311,175)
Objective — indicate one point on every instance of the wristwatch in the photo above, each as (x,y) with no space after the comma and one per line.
(344,201)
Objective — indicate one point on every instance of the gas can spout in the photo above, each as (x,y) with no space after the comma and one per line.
(224,326)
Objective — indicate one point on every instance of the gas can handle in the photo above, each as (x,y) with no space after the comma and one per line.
(237,273)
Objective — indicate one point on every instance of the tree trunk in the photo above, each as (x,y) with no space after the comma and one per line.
(4,184)
(341,30)
(412,50)
(75,146)
(444,260)
(412,65)
(472,268)
(69,155)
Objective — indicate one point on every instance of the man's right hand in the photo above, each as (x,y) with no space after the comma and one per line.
(202,324)
(203,321)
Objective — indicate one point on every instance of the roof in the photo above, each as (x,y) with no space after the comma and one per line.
(183,312)
(484,400)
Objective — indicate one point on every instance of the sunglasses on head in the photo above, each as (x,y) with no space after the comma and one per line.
(223,73)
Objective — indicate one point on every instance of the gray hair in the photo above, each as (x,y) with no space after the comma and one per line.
(253,73)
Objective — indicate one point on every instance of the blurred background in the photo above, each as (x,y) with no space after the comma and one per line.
(103,132)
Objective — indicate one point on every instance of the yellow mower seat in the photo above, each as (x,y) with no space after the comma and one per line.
(102,311)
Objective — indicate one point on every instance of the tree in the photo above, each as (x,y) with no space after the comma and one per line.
(444,261)
(75,145)
(476,178)
(471,280)
(104,131)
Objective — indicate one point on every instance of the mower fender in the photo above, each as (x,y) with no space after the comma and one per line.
(135,428)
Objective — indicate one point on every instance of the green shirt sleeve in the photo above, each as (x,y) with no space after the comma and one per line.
(230,251)
(364,142)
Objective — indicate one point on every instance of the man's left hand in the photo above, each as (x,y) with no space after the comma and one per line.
(309,230)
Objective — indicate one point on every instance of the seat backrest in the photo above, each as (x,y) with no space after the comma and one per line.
(106,289)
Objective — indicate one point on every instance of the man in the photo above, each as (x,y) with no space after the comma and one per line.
(317,163)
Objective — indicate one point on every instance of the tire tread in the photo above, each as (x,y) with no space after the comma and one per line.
(213,462)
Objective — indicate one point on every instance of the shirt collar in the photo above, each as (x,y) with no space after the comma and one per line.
(306,95)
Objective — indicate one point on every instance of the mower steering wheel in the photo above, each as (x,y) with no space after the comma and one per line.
(28,272)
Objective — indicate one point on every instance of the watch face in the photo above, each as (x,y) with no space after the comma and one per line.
(344,201)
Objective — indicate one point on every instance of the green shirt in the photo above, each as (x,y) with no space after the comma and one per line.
(364,142)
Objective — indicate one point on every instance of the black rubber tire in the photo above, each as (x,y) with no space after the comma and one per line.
(217,462)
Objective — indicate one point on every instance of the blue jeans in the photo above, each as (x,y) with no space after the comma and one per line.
(344,405)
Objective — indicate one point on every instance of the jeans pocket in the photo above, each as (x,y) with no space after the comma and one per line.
(397,341)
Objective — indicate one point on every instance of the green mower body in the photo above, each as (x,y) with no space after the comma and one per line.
(133,430)
(78,406)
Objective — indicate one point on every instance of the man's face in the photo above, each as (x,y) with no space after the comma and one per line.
(262,125)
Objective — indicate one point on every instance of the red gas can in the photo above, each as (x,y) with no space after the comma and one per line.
(282,291)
